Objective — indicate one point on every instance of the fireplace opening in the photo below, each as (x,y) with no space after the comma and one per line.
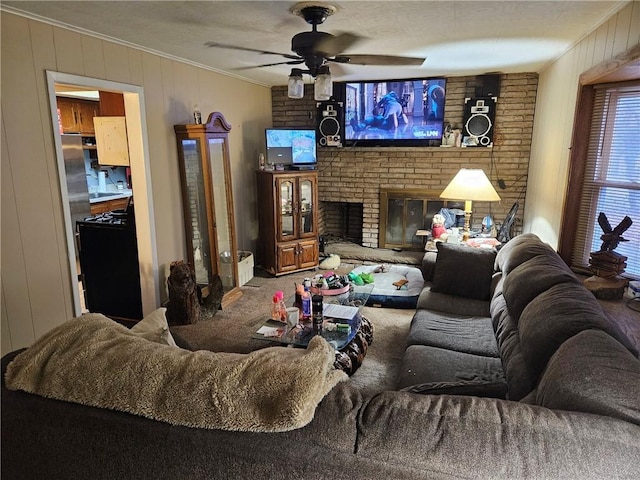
(342,221)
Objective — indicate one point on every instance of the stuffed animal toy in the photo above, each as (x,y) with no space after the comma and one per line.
(437,226)
(384,268)
(330,263)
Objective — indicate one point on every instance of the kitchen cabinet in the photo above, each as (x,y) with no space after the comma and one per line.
(288,220)
(109,205)
(207,201)
(111,104)
(111,141)
(76,115)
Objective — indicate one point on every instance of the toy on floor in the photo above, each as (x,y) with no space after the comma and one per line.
(384,268)
(330,263)
(401,283)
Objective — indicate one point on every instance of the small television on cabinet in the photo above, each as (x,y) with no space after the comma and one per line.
(295,148)
(394,112)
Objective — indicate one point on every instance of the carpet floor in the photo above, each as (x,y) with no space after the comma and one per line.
(230,330)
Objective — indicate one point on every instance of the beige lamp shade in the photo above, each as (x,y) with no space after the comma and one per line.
(470,184)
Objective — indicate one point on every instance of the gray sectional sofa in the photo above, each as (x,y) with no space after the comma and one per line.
(489,323)
(553,392)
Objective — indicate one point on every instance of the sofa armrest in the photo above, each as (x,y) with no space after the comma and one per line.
(428,265)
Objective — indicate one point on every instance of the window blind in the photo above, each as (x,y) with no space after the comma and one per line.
(612,174)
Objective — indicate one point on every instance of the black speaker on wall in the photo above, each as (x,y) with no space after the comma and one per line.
(477,123)
(329,128)
(487,85)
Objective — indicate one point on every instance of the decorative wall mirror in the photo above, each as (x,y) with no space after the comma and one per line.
(207,199)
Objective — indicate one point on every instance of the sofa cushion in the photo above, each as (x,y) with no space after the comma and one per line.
(463,271)
(519,250)
(424,367)
(531,278)
(443,302)
(448,436)
(591,372)
(555,316)
(453,332)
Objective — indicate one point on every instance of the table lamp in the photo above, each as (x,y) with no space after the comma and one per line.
(470,184)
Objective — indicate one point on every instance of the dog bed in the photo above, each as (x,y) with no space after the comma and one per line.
(385,293)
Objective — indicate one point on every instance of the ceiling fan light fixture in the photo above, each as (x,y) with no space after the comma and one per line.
(295,84)
(323,87)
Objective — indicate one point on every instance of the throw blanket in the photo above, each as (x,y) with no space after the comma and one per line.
(94,361)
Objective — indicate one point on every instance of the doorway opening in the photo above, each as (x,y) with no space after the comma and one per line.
(136,140)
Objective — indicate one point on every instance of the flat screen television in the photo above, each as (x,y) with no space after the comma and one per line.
(394,112)
(291,147)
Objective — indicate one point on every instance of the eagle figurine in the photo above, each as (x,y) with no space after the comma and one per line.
(612,236)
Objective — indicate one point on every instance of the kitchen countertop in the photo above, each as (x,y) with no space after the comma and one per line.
(109,195)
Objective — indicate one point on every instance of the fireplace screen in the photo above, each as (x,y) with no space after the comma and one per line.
(403,213)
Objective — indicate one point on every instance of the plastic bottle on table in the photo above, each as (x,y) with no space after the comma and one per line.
(306,306)
(278,308)
(318,318)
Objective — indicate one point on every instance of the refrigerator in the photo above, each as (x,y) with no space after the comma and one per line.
(76,178)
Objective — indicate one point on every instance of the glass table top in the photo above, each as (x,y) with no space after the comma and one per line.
(353,301)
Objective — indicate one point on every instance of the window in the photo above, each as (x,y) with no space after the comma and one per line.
(611,182)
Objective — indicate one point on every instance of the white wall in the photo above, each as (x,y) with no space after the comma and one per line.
(36,290)
(554,116)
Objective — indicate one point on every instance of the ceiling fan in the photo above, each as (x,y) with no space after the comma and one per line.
(315,49)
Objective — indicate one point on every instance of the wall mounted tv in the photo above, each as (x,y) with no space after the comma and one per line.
(291,147)
(394,112)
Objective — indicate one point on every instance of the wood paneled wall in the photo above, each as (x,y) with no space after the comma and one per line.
(554,118)
(36,288)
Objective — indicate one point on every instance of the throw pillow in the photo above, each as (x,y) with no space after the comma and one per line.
(463,271)
(154,327)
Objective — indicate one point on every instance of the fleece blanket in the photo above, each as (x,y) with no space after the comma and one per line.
(94,361)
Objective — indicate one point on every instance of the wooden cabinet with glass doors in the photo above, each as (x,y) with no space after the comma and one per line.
(288,218)
(207,200)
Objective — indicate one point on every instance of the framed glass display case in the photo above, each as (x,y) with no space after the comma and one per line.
(207,199)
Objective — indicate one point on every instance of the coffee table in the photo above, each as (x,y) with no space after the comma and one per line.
(350,347)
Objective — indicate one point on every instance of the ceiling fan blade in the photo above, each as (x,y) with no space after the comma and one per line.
(246,49)
(378,60)
(290,62)
(336,44)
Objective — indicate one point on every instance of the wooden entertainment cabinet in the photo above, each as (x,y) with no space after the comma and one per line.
(288,219)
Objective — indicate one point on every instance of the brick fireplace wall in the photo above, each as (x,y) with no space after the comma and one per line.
(356,174)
